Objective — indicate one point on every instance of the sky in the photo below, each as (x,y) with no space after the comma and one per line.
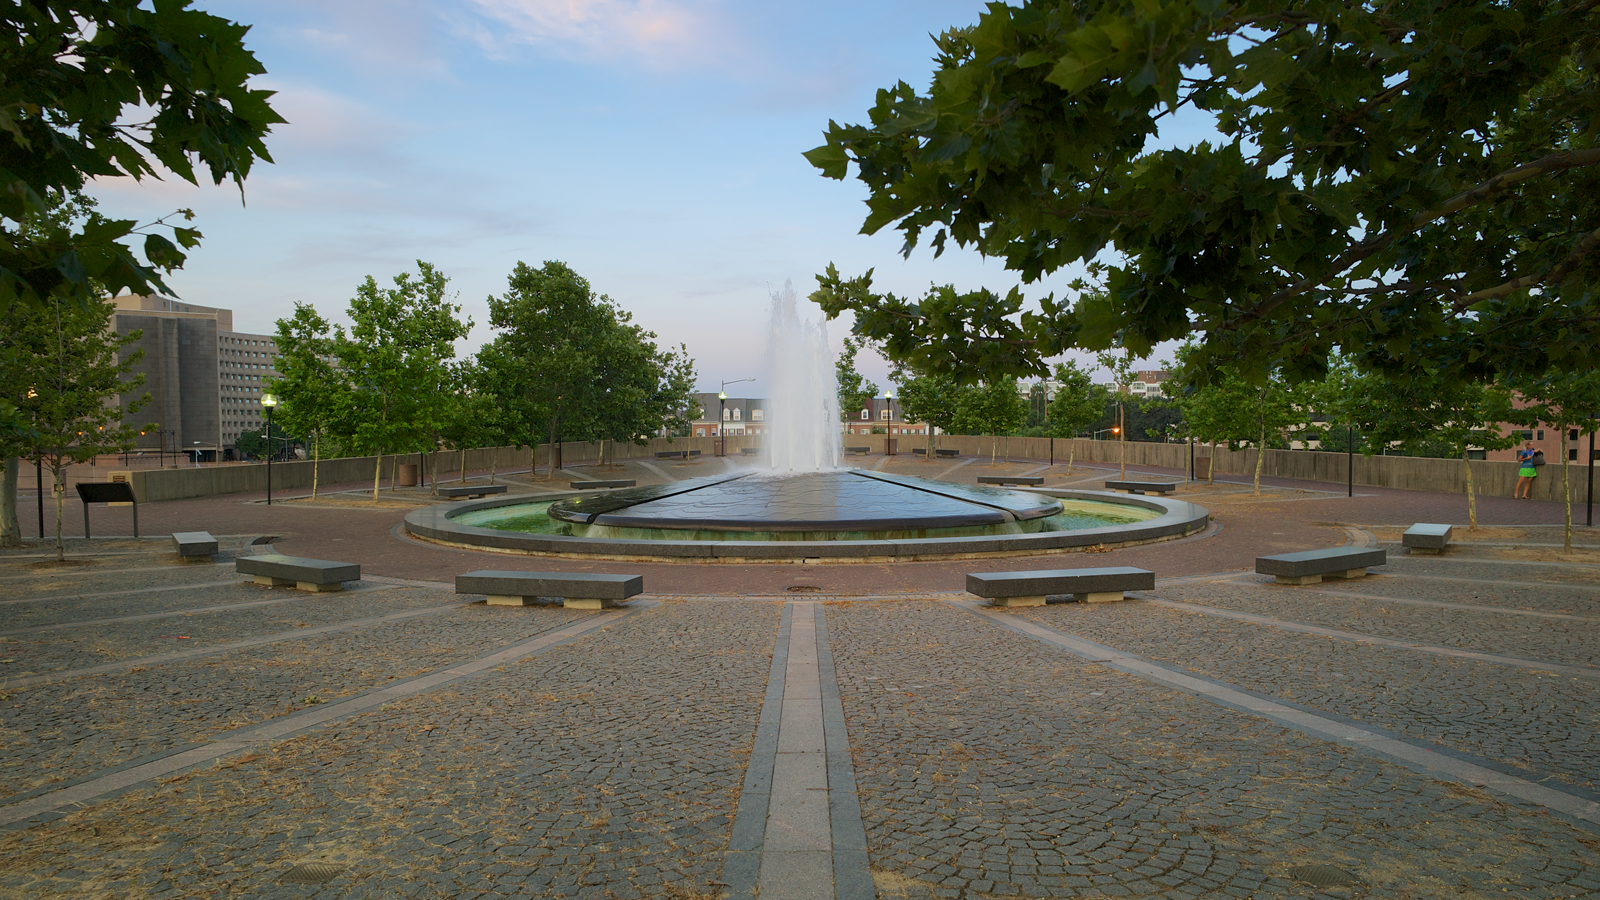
(652,145)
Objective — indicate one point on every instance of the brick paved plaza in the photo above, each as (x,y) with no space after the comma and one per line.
(800,731)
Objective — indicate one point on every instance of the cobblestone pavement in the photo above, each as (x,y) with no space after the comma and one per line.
(1547,725)
(990,765)
(604,768)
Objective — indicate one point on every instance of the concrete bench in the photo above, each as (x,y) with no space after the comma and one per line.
(749,451)
(1311,566)
(948,454)
(672,454)
(598,485)
(471,490)
(1425,539)
(861,450)
(295,571)
(1141,487)
(577,590)
(194,545)
(1086,585)
(1011,479)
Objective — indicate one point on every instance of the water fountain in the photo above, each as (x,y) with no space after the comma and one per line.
(805,503)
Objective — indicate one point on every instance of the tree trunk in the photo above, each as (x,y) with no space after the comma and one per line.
(1566,491)
(377,475)
(1072,453)
(1211,468)
(463,462)
(994,444)
(58,478)
(1261,446)
(433,462)
(551,476)
(10,526)
(1472,501)
(394,472)
(316,461)
(1122,441)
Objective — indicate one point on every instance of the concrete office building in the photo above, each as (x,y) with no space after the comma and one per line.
(204,379)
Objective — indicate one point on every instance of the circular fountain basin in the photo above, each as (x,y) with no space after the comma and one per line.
(842,515)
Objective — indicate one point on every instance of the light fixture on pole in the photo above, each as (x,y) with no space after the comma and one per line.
(722,413)
(888,439)
(268,401)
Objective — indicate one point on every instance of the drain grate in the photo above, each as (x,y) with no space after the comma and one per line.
(1322,876)
(803,589)
(311,873)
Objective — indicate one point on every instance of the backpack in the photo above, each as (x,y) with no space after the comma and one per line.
(1538,457)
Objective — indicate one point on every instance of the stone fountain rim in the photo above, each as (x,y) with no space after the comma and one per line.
(1178,518)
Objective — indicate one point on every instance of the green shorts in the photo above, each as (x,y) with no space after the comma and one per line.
(1528,472)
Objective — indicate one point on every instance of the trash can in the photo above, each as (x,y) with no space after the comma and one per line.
(408,474)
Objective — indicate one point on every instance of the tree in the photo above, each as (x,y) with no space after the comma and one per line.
(994,408)
(570,363)
(1223,406)
(311,392)
(1434,404)
(1417,184)
(927,398)
(68,392)
(1559,399)
(855,391)
(114,88)
(1077,403)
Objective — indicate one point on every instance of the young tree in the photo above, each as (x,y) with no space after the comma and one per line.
(994,408)
(70,389)
(311,392)
(927,398)
(1077,403)
(397,362)
(1434,404)
(855,391)
(1560,399)
(1361,218)
(109,88)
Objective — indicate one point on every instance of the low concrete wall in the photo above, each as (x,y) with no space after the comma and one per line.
(1490,478)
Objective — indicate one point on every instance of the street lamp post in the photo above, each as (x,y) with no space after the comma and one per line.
(268,401)
(722,413)
(888,439)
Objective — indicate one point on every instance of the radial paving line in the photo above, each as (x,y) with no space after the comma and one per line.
(187,611)
(273,638)
(1360,637)
(1413,601)
(98,571)
(965,462)
(280,729)
(1494,581)
(149,590)
(1414,755)
(798,832)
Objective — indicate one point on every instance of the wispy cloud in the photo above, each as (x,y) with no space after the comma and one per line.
(662,33)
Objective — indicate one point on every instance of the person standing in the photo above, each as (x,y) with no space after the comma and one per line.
(1526,473)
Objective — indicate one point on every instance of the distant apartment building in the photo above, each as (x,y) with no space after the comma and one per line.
(204,379)
(748,416)
(884,414)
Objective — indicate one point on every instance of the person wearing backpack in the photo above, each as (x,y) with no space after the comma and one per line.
(1526,473)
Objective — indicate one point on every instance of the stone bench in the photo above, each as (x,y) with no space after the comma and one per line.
(198,545)
(1011,479)
(1311,566)
(861,450)
(948,454)
(1141,487)
(471,490)
(599,485)
(672,454)
(749,451)
(1426,539)
(1086,585)
(577,590)
(295,571)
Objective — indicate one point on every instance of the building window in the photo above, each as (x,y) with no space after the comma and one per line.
(866,415)
(1573,454)
(884,415)
(736,413)
(1572,435)
(758,415)
(727,415)
(1541,434)
(1527,434)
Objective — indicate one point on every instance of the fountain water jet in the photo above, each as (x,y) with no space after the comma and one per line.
(803,429)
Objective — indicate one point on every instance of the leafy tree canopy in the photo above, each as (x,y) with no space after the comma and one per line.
(110,88)
(855,391)
(1415,181)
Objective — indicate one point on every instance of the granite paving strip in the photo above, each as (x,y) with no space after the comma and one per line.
(1579,601)
(184,611)
(104,594)
(798,832)
(160,580)
(605,767)
(1536,725)
(296,635)
(59,732)
(1363,638)
(992,765)
(96,788)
